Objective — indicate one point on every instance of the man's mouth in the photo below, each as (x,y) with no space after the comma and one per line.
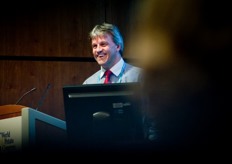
(101,55)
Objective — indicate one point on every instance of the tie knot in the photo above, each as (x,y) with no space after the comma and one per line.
(107,74)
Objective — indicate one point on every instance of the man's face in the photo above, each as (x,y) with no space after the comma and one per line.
(105,51)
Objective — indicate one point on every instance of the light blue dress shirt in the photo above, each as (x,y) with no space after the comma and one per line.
(122,73)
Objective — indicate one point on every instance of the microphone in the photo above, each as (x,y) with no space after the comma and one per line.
(24,95)
(43,96)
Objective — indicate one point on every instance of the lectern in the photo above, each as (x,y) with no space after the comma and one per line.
(22,127)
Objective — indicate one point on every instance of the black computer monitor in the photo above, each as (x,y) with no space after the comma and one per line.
(103,114)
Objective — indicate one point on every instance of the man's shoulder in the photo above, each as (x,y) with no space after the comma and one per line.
(93,78)
(132,73)
(131,67)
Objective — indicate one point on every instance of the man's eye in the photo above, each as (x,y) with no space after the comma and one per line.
(103,44)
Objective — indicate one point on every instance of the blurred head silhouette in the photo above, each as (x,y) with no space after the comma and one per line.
(182,46)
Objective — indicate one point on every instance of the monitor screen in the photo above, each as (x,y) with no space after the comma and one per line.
(103,114)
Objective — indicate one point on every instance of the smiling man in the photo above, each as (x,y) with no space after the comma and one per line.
(107,48)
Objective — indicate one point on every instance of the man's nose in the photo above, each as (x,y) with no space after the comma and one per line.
(99,48)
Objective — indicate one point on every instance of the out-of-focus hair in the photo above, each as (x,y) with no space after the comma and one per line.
(183,45)
(197,30)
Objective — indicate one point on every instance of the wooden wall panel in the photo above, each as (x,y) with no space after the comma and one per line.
(49,30)
(18,77)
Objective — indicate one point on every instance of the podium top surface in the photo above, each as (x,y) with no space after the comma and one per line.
(11,110)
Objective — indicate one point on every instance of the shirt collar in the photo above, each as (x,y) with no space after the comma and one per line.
(116,69)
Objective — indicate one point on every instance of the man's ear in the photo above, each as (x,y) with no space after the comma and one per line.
(118,47)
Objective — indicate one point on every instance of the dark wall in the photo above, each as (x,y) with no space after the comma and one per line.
(45,43)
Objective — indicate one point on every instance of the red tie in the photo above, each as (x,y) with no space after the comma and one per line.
(107,75)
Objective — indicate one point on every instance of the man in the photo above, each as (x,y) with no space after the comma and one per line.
(107,48)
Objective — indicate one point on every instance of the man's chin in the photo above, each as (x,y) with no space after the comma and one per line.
(101,61)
